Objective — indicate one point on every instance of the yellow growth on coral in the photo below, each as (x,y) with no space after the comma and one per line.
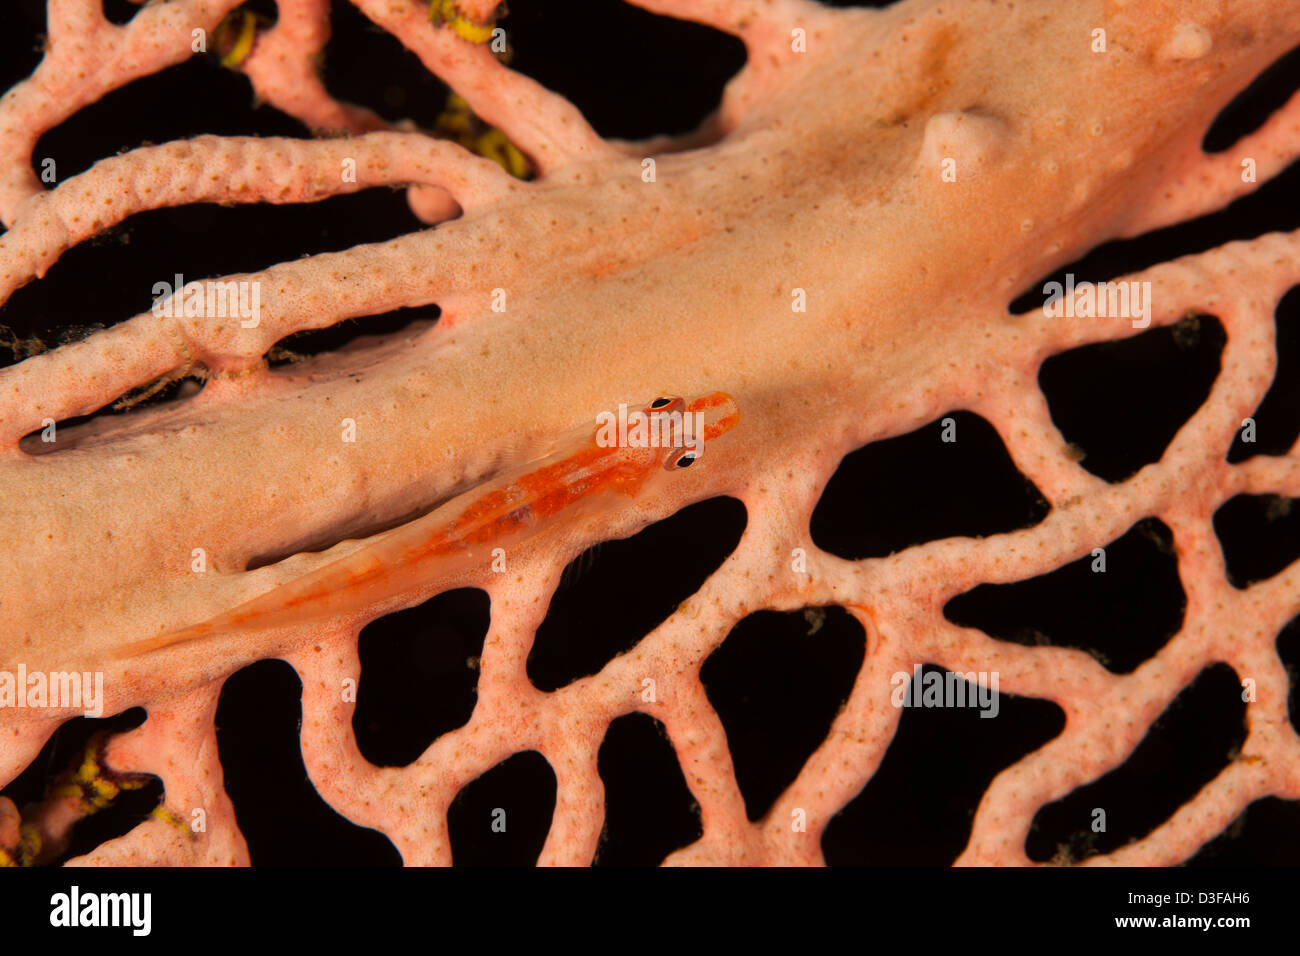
(236,36)
(445,12)
(460,125)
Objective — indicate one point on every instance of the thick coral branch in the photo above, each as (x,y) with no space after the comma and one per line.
(145,347)
(766,28)
(822,188)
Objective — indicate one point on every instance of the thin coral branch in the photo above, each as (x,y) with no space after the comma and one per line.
(284,68)
(545,126)
(195,824)
(1208,182)
(233,169)
(86,57)
(216,169)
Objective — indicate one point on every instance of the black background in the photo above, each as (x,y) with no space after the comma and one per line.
(775,685)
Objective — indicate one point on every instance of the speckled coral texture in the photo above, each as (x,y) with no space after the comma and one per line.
(900,173)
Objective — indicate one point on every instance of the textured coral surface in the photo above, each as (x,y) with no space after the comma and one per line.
(837,247)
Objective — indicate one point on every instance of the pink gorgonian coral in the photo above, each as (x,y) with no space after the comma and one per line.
(988,555)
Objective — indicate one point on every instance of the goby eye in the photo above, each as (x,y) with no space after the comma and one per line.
(666,405)
(681,458)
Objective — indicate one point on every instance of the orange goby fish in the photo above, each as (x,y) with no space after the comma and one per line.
(581,473)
